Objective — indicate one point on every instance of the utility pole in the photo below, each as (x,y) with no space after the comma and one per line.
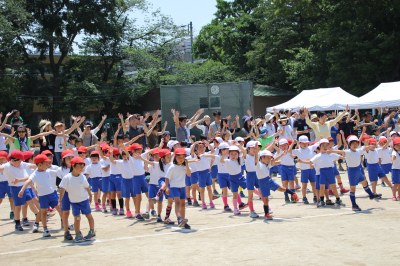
(191,41)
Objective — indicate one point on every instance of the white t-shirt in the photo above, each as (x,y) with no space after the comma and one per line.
(372,156)
(61,172)
(325,160)
(288,132)
(396,162)
(203,164)
(58,144)
(250,163)
(94,170)
(155,173)
(263,170)
(105,169)
(233,167)
(114,170)
(76,187)
(193,166)
(221,166)
(125,168)
(305,154)
(384,154)
(44,181)
(353,158)
(3,177)
(176,175)
(3,146)
(12,172)
(286,159)
(137,165)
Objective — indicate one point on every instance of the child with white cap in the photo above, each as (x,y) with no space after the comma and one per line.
(396,168)
(305,152)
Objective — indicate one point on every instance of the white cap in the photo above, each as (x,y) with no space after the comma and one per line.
(393,132)
(268,117)
(234,148)
(283,141)
(223,145)
(265,153)
(323,141)
(238,139)
(251,144)
(352,138)
(171,144)
(257,143)
(303,139)
(219,139)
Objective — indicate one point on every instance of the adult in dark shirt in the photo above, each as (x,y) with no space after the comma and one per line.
(300,126)
(47,142)
(136,129)
(368,123)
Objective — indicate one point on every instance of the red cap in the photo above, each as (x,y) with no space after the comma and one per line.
(16,154)
(77,160)
(3,154)
(82,149)
(104,146)
(180,151)
(67,153)
(41,158)
(115,151)
(372,141)
(136,146)
(164,152)
(28,155)
(396,141)
(47,152)
(290,141)
(94,153)
(155,151)
(365,137)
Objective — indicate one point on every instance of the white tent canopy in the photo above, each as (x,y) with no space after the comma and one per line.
(318,100)
(385,95)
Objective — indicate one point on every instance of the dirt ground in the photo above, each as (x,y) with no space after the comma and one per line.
(298,235)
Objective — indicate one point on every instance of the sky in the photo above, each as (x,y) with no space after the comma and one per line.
(200,12)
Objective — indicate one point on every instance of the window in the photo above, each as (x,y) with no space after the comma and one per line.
(203,102)
(215,102)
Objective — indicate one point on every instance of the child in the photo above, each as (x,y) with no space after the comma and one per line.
(251,175)
(47,193)
(355,170)
(175,179)
(304,153)
(396,168)
(264,161)
(77,186)
(4,188)
(105,180)
(115,182)
(155,175)
(94,173)
(385,153)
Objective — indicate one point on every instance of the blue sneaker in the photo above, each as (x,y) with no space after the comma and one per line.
(159,220)
(18,227)
(153,213)
(79,238)
(139,217)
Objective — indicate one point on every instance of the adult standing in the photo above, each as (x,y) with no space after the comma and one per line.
(215,126)
(136,128)
(300,126)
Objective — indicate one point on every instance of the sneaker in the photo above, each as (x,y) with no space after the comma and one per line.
(168,221)
(182,222)
(315,200)
(254,215)
(242,194)
(186,226)
(377,196)
(159,220)
(11,215)
(153,213)
(79,238)
(339,203)
(114,212)
(90,235)
(383,184)
(243,206)
(356,208)
(121,212)
(46,233)
(305,201)
(394,198)
(344,190)
(320,204)
(146,215)
(97,208)
(329,203)
(204,206)
(215,197)
(51,213)
(35,228)
(189,202)
(25,223)
(71,227)
(236,212)
(268,217)
(287,200)
(295,198)
(139,217)
(212,205)
(18,227)
(227,209)
(129,214)
(68,236)
(215,192)
(297,188)
(196,204)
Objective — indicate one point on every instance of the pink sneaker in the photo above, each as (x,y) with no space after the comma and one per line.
(212,205)
(129,214)
(236,212)
(394,198)
(98,209)
(204,206)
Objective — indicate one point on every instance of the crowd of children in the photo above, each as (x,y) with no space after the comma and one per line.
(184,171)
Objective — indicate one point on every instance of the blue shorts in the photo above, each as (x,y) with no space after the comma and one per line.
(31,192)
(335,170)
(105,184)
(327,176)
(115,183)
(274,169)
(4,189)
(20,201)
(266,185)
(223,180)
(153,189)
(214,171)
(81,207)
(140,185)
(386,168)
(395,176)
(187,181)
(127,188)
(194,178)
(95,183)
(356,175)
(287,173)
(307,175)
(161,181)
(49,200)
(235,182)
(177,192)
(205,179)
(251,180)
(375,171)
(65,203)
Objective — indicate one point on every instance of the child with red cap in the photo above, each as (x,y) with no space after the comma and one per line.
(4,188)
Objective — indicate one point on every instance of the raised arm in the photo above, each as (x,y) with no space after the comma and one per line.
(3,125)
(103,118)
(134,139)
(175,117)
